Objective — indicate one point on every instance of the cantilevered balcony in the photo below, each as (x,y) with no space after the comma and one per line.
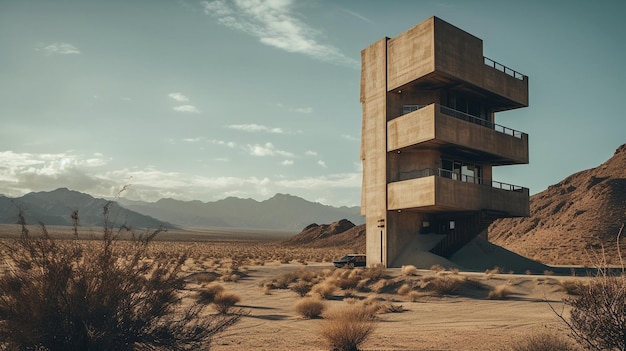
(438,190)
(458,133)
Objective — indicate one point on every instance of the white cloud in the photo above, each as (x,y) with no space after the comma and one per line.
(57,48)
(192,140)
(186,108)
(230,144)
(275,24)
(310,153)
(21,173)
(322,163)
(267,149)
(349,137)
(305,110)
(287,163)
(178,97)
(255,128)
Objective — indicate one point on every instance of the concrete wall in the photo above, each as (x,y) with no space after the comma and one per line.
(411,54)
(374,146)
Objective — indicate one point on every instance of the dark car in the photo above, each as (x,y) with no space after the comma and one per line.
(350,261)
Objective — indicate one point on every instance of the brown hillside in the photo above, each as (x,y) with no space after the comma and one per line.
(571,221)
(342,233)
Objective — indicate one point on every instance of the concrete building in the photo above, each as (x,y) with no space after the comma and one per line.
(429,142)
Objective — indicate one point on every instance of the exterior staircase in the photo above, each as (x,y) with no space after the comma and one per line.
(466,229)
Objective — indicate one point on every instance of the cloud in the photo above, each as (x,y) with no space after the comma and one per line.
(322,163)
(57,48)
(287,163)
(274,24)
(310,153)
(178,97)
(186,108)
(230,144)
(267,149)
(21,173)
(359,16)
(349,137)
(305,110)
(255,128)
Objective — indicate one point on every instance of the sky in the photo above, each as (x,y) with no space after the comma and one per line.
(202,100)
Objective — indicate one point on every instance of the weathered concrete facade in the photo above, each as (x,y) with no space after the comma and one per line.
(429,140)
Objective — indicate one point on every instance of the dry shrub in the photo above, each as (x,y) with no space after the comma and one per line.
(572,286)
(544,342)
(409,270)
(346,328)
(224,301)
(499,292)
(375,272)
(208,293)
(300,287)
(445,284)
(98,295)
(437,268)
(404,289)
(310,307)
(597,317)
(383,285)
(495,270)
(414,296)
(324,289)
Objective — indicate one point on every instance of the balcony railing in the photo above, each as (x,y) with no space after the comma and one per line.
(468,118)
(444,173)
(502,68)
(476,120)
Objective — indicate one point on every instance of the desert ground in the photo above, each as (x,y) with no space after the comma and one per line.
(488,310)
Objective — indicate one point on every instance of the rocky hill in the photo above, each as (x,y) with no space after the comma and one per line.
(571,221)
(342,233)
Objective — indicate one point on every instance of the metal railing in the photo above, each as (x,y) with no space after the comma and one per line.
(502,68)
(444,173)
(476,120)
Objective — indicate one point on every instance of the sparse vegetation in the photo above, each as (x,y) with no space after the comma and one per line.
(544,342)
(98,295)
(499,292)
(224,301)
(344,329)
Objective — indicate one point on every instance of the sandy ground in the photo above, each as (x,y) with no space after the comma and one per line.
(433,323)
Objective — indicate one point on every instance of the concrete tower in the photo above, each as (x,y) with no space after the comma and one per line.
(429,141)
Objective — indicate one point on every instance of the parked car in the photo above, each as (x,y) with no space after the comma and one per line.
(350,261)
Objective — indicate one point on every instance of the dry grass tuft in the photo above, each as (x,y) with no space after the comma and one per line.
(208,293)
(404,289)
(500,292)
(324,289)
(409,270)
(310,307)
(346,328)
(301,287)
(224,301)
(572,286)
(445,284)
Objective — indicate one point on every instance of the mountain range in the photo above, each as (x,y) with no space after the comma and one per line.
(281,212)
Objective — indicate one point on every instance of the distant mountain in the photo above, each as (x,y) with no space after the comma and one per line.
(284,212)
(570,220)
(55,208)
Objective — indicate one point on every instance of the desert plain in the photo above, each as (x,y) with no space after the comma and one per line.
(490,310)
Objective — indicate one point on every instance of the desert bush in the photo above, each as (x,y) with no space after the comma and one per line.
(310,307)
(445,284)
(207,294)
(324,289)
(572,286)
(224,301)
(410,270)
(300,287)
(597,317)
(404,289)
(375,272)
(499,292)
(97,295)
(346,328)
(414,296)
(544,342)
